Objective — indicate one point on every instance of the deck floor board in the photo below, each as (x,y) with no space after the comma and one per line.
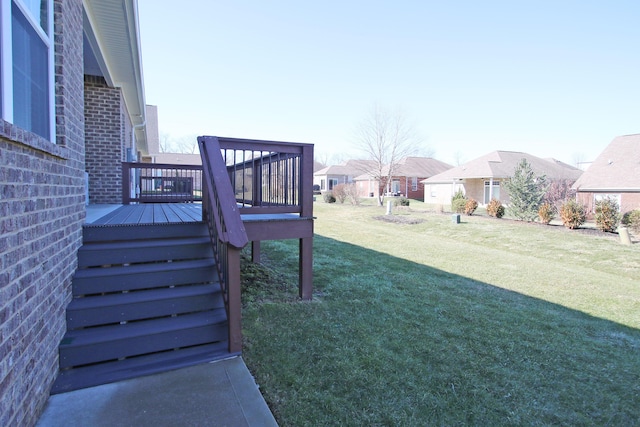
(152,213)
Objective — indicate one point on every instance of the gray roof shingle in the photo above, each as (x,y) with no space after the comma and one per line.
(617,168)
(350,167)
(501,164)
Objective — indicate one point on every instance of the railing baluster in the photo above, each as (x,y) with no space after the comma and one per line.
(153,182)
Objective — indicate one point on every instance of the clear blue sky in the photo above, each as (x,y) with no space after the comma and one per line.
(554,78)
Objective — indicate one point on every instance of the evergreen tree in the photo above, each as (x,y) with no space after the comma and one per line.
(526,191)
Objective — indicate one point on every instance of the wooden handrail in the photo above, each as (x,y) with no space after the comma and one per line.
(254,177)
(222,202)
(228,236)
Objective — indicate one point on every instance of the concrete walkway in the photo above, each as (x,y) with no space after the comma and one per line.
(221,393)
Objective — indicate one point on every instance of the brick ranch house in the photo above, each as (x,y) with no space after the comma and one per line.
(327,178)
(614,173)
(481,178)
(407,179)
(72,109)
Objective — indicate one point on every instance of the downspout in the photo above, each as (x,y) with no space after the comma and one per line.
(134,188)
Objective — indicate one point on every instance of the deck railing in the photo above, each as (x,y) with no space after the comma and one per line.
(237,176)
(221,214)
(270,177)
(161,183)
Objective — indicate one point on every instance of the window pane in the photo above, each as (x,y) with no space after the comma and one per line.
(30,77)
(38,9)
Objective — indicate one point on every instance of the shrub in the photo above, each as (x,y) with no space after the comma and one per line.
(458,201)
(495,208)
(340,193)
(470,207)
(458,205)
(573,215)
(459,195)
(526,192)
(546,212)
(353,194)
(329,198)
(631,220)
(402,201)
(607,214)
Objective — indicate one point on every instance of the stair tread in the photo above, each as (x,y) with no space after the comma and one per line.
(102,334)
(144,268)
(142,296)
(108,233)
(108,372)
(147,243)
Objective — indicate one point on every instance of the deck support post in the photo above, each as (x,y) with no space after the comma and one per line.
(234,301)
(255,251)
(306,268)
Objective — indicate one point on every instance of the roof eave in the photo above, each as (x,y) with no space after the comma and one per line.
(111,27)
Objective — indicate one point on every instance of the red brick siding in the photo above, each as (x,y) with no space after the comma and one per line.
(628,201)
(41,215)
(107,136)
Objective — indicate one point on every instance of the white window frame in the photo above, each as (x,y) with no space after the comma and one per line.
(395,186)
(491,188)
(6,59)
(601,196)
(414,183)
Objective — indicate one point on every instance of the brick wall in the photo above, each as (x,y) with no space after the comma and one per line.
(41,215)
(628,201)
(107,137)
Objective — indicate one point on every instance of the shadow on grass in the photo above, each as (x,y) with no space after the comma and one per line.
(391,342)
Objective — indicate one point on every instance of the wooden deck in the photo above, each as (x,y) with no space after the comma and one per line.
(258,227)
(152,213)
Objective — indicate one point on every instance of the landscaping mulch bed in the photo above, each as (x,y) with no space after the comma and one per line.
(399,219)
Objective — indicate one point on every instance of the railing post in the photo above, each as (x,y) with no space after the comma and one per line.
(306,181)
(234,300)
(126,183)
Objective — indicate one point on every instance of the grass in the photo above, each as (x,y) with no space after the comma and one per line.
(428,322)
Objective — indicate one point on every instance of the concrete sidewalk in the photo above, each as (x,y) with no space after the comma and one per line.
(221,393)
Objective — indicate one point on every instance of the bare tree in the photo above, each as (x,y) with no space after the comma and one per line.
(578,160)
(458,157)
(186,144)
(386,138)
(165,143)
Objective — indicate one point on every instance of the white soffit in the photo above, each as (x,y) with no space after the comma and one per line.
(111,28)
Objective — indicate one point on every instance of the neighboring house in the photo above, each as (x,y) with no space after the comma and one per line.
(72,109)
(615,173)
(407,179)
(153,141)
(483,178)
(345,173)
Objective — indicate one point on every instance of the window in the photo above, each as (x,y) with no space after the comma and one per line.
(322,185)
(332,183)
(26,61)
(414,183)
(491,191)
(600,196)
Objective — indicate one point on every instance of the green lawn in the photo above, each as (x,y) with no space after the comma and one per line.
(487,322)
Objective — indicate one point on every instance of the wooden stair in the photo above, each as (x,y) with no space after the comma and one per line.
(146,299)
